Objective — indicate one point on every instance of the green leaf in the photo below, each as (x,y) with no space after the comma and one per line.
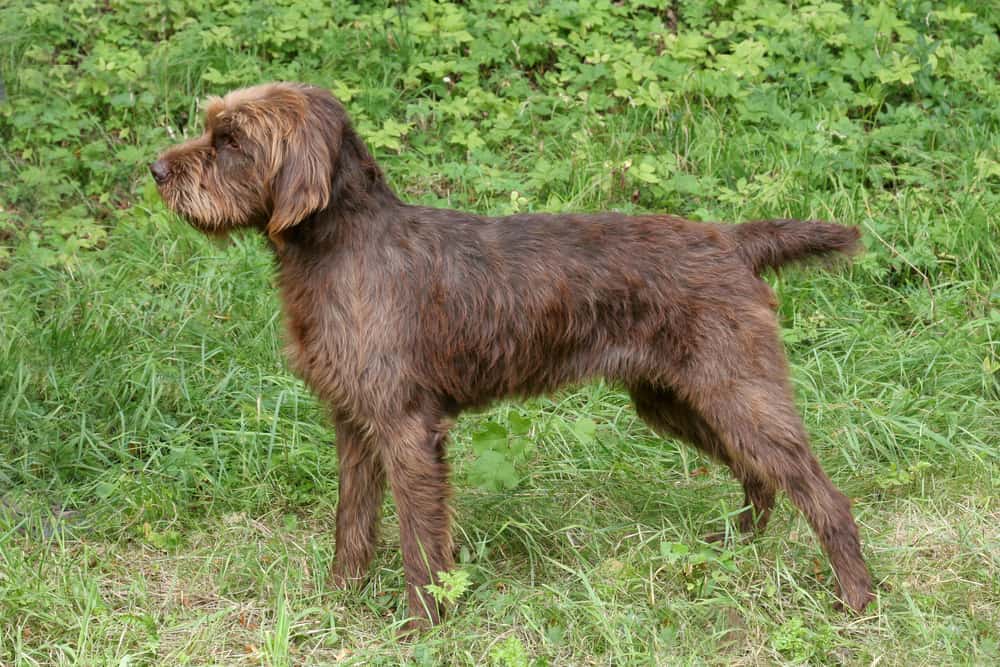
(490,435)
(493,471)
(519,423)
(673,551)
(585,429)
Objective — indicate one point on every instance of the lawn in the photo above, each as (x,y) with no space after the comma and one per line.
(168,488)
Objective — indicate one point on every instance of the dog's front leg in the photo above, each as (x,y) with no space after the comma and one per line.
(414,456)
(362,486)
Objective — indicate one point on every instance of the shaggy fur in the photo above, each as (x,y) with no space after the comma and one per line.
(399,317)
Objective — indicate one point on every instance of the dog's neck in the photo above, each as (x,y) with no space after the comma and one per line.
(358,184)
(359,199)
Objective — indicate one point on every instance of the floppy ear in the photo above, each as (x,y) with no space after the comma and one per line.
(302,183)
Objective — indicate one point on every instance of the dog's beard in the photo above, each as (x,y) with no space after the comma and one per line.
(205,212)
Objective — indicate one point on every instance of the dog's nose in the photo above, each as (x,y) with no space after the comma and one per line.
(159,171)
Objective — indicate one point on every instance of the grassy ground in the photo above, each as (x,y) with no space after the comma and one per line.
(167,488)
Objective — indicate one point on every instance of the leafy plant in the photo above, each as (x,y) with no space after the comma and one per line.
(897,476)
(509,653)
(452,586)
(499,450)
(701,569)
(800,643)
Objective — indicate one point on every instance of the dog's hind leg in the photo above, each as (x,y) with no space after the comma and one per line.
(666,414)
(745,397)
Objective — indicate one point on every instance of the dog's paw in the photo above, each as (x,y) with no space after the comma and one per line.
(342,580)
(719,537)
(855,598)
(723,537)
(413,629)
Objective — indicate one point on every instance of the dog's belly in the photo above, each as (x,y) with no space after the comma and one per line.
(522,368)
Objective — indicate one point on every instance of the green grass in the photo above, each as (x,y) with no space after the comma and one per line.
(168,488)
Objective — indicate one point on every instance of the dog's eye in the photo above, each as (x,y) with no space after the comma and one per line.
(226,141)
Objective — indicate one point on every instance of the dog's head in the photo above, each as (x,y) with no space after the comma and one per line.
(266,160)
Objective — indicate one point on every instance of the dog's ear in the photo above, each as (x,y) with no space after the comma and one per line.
(302,184)
(307,152)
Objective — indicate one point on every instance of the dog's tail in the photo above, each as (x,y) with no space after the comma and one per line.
(773,243)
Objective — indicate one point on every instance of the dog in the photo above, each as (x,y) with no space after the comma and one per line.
(400,316)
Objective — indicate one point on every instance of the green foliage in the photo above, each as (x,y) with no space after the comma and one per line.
(509,653)
(488,81)
(897,476)
(801,644)
(499,449)
(702,569)
(452,586)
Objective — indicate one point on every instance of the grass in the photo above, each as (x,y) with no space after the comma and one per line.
(168,489)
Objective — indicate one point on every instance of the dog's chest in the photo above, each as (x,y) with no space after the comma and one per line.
(339,337)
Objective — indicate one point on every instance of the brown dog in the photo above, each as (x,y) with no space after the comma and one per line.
(402,316)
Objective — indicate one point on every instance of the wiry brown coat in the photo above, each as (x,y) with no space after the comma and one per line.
(400,317)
